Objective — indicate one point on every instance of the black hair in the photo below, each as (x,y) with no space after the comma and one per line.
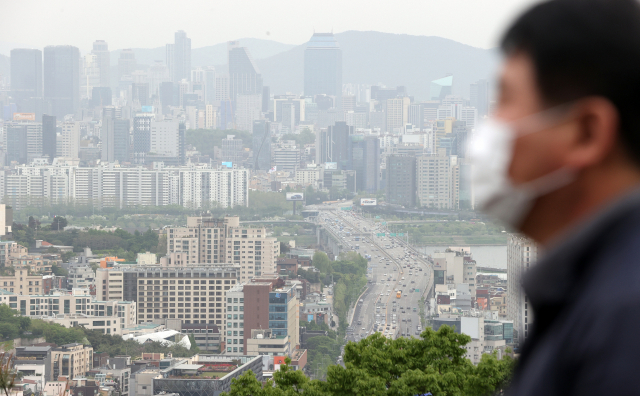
(583,48)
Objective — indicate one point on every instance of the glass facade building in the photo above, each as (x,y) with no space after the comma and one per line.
(323,67)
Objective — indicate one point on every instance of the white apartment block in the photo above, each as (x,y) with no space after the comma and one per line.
(206,240)
(112,186)
(78,306)
(521,254)
(438,180)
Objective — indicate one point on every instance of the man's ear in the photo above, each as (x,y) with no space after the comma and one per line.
(597,133)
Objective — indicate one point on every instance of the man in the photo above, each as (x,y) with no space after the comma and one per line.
(560,162)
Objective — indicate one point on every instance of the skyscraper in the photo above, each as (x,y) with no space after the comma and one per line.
(397,114)
(323,67)
(521,255)
(266,98)
(103,59)
(26,76)
(441,87)
(62,78)
(16,143)
(261,145)
(70,144)
(49,136)
(364,158)
(142,136)
(179,57)
(244,77)
(480,97)
(126,63)
(401,180)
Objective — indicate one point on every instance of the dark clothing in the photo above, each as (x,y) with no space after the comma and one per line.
(585,295)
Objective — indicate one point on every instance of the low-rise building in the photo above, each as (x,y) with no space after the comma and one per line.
(34,362)
(206,379)
(71,360)
(23,283)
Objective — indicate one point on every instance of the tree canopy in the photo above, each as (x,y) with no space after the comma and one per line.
(433,363)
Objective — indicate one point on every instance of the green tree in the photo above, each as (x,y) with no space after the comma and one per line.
(58,223)
(433,363)
(321,262)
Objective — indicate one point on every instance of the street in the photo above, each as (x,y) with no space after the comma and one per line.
(397,275)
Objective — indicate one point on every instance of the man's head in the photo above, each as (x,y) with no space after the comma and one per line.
(583,57)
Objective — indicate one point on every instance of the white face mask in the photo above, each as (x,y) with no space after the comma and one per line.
(491,154)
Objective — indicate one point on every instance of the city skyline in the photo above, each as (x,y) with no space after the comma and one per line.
(479,24)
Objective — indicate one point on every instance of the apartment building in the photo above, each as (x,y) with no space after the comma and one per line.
(110,185)
(192,294)
(65,308)
(438,180)
(22,283)
(36,263)
(522,253)
(211,241)
(71,360)
(10,249)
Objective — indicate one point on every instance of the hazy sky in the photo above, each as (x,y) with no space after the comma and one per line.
(151,23)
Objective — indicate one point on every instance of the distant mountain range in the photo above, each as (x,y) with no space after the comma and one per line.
(390,59)
(367,58)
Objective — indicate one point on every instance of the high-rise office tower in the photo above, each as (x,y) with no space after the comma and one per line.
(101,96)
(16,143)
(70,136)
(521,255)
(210,84)
(222,88)
(266,98)
(126,63)
(179,57)
(401,180)
(338,148)
(103,59)
(231,150)
(244,77)
(397,114)
(62,78)
(364,158)
(261,145)
(441,87)
(49,134)
(247,110)
(26,77)
(140,93)
(323,67)
(480,97)
(115,138)
(141,136)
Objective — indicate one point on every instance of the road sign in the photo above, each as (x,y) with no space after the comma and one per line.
(392,234)
(384,223)
(381,234)
(400,234)
(377,217)
(346,208)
